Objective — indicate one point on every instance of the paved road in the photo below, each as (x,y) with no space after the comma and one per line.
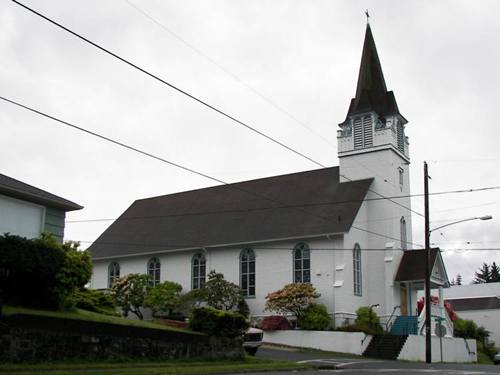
(332,363)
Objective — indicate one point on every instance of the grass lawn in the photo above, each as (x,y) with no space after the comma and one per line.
(172,367)
(90,316)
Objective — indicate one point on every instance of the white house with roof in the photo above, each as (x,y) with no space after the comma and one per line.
(333,227)
(27,211)
(477,302)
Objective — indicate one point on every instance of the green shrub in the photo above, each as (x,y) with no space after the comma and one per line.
(94,300)
(314,318)
(215,322)
(367,320)
(42,272)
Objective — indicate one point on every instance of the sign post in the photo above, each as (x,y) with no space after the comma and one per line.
(440,331)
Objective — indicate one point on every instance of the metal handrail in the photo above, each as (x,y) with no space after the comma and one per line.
(468,349)
(390,317)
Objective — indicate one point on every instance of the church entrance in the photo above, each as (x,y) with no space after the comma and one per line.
(404,300)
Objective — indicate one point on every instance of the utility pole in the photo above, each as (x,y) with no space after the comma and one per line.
(428,350)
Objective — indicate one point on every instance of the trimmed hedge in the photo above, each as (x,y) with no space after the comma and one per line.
(33,267)
(219,323)
(275,323)
(315,318)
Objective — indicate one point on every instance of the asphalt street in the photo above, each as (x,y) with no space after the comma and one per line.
(335,363)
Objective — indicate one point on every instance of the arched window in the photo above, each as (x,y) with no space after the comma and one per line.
(154,270)
(404,241)
(301,263)
(356,269)
(247,272)
(198,265)
(113,273)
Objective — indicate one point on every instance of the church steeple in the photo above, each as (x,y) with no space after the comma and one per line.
(373,121)
(371,91)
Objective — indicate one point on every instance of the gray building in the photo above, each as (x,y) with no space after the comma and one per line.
(28,211)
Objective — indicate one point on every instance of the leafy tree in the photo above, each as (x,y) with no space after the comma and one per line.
(219,293)
(76,270)
(164,297)
(459,279)
(292,298)
(129,293)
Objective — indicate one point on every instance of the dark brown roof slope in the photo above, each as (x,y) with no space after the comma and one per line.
(371,91)
(228,214)
(478,303)
(17,189)
(412,266)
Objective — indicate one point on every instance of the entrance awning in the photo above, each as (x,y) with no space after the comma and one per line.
(412,269)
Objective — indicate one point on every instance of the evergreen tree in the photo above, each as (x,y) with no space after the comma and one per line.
(494,272)
(483,275)
(459,279)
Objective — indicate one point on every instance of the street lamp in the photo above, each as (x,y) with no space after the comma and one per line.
(485,217)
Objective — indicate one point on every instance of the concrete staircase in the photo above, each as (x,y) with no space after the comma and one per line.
(385,346)
(405,325)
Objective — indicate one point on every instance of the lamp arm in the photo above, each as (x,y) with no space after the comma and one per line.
(455,222)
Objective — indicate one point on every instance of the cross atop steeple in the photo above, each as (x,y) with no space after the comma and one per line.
(367,16)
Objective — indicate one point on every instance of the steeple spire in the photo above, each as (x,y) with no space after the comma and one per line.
(371,91)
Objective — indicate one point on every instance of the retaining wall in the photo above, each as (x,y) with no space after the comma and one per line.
(344,342)
(35,338)
(454,349)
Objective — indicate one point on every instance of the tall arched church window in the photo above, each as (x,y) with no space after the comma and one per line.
(404,240)
(301,263)
(154,271)
(356,269)
(113,273)
(247,272)
(363,131)
(198,271)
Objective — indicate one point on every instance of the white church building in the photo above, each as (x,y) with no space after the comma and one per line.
(334,227)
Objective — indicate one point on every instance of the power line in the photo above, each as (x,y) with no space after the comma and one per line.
(196,98)
(171,163)
(227,71)
(199,213)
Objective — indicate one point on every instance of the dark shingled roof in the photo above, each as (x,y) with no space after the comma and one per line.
(412,266)
(17,189)
(371,92)
(228,214)
(477,303)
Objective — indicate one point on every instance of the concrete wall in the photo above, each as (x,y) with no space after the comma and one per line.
(344,342)
(454,349)
(489,319)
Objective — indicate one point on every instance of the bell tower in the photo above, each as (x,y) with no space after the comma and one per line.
(373,122)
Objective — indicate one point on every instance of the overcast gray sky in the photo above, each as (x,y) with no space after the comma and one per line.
(439,57)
